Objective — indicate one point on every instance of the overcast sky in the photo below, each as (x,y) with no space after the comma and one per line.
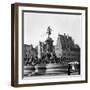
(36,24)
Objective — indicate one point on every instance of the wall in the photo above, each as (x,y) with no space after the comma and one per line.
(5,45)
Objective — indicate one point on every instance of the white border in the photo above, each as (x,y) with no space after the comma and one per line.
(51,78)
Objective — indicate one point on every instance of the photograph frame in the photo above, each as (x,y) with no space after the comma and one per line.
(15,41)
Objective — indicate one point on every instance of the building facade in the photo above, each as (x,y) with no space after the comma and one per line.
(67,49)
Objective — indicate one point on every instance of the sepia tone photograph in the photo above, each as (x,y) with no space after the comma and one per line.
(51,47)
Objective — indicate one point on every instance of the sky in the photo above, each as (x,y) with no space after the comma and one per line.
(36,24)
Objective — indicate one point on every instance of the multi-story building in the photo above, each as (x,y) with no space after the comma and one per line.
(67,49)
(30,53)
(58,47)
